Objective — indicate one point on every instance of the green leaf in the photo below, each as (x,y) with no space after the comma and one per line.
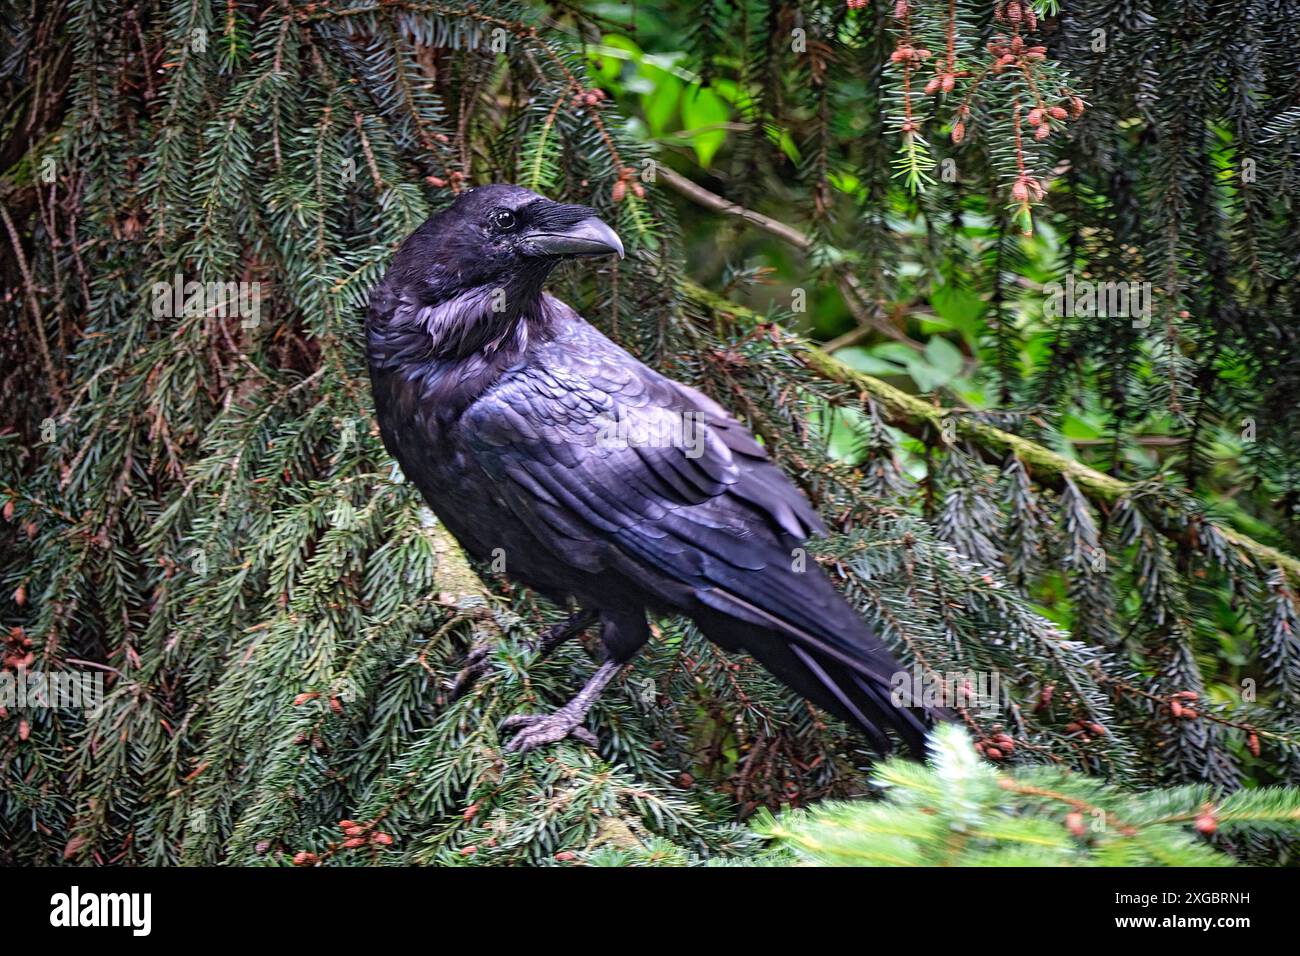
(940,363)
(944,356)
(702,112)
(958,309)
(869,360)
(660,105)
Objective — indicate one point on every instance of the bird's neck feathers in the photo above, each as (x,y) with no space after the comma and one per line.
(459,345)
(476,321)
(447,323)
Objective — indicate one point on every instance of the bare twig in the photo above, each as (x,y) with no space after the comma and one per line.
(866,311)
(37,319)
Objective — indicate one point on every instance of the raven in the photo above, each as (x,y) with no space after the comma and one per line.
(536,439)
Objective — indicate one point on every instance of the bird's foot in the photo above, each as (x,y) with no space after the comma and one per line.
(557,634)
(538,730)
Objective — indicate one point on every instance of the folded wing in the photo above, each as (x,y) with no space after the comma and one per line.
(614,467)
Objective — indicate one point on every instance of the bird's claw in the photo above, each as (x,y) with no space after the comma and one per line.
(476,660)
(538,730)
(476,665)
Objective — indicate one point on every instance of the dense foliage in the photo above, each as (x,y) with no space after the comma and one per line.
(961,812)
(843,220)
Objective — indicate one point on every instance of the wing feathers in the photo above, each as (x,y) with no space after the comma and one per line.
(577,439)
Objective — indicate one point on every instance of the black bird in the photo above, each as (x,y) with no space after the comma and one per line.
(597,478)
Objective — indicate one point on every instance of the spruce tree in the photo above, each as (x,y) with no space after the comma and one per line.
(198,508)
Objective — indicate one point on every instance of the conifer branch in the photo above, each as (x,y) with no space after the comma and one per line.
(926,420)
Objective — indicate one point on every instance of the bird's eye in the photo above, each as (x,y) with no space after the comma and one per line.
(503,219)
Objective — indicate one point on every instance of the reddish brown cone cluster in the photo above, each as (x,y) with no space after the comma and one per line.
(16,651)
(1085,730)
(996,747)
(943,81)
(905,53)
(1026,189)
(362,834)
(589,98)
(627,180)
(1180,705)
(1016,13)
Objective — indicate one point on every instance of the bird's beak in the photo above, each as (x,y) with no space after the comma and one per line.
(586,237)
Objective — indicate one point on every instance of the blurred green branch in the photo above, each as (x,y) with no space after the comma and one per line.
(925,420)
(959,811)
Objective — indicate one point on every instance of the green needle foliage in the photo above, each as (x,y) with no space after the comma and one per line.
(1065,508)
(960,811)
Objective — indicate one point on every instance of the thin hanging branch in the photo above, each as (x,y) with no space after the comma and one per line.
(865,310)
(921,418)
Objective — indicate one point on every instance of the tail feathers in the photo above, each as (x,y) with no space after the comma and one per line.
(868,703)
(860,699)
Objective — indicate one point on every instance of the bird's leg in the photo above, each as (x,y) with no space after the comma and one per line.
(536,730)
(476,661)
(557,634)
(622,633)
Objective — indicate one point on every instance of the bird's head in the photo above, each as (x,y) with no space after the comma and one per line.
(506,235)
(466,275)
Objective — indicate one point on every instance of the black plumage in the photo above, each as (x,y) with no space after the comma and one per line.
(597,478)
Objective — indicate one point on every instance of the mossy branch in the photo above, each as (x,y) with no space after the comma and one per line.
(926,420)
